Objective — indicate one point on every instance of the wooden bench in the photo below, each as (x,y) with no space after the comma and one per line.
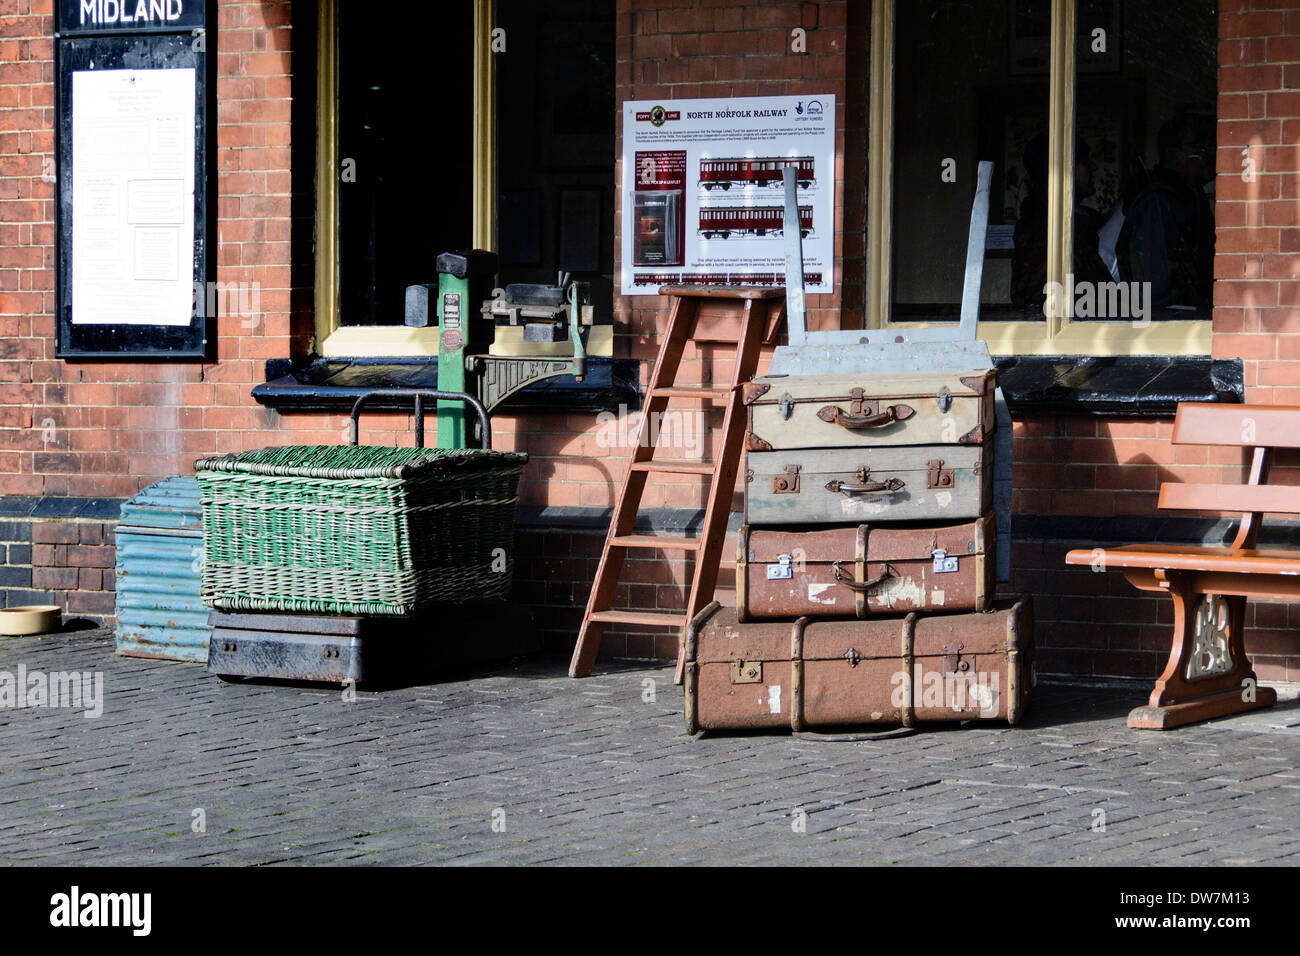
(1208,674)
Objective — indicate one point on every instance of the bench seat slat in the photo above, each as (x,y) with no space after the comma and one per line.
(1211,423)
(1172,557)
(1271,499)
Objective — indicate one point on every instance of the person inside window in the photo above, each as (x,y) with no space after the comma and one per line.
(1029,260)
(1168,234)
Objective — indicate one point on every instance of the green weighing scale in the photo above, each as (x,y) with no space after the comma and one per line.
(469,310)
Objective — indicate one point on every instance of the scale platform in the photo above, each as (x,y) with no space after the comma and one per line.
(376,650)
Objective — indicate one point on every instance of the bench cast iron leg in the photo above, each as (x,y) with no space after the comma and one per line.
(1208,674)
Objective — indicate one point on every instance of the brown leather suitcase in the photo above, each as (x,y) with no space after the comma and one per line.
(865,570)
(800,674)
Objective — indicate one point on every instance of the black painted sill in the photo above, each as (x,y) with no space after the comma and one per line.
(1034,385)
(1138,386)
(333,384)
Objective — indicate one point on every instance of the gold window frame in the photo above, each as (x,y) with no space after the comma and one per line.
(1055,335)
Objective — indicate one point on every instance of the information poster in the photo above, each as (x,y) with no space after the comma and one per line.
(704,200)
(133,147)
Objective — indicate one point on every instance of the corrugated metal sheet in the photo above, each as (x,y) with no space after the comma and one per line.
(171,503)
(159,558)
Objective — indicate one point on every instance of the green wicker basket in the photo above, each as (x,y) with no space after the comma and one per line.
(357,529)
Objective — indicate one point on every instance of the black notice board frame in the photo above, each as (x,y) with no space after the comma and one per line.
(149,49)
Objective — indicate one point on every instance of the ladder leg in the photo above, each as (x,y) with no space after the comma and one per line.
(628,500)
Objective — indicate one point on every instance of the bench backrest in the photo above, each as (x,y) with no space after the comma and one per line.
(1261,427)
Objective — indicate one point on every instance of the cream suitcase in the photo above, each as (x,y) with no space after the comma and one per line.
(842,411)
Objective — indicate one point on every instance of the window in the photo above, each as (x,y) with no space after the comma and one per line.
(496,131)
(1099,117)
(405,156)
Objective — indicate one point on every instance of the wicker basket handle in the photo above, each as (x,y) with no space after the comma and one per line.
(420,394)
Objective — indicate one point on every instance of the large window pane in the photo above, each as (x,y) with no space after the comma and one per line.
(971,83)
(405,155)
(1144,156)
(555,137)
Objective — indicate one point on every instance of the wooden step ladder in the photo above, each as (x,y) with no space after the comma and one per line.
(745,317)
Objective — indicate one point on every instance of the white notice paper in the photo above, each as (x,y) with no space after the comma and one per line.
(133,138)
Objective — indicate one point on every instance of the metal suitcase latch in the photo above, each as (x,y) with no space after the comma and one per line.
(938,476)
(954,663)
(944,399)
(785,405)
(787,484)
(747,672)
(852,656)
(783,570)
(943,561)
(861,405)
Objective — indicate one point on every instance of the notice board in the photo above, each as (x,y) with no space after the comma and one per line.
(134,162)
(703,200)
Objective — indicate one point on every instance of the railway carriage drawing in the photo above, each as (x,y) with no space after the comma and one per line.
(741,171)
(723,222)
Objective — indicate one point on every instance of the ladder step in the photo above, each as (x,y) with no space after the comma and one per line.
(656,541)
(675,467)
(692,391)
(649,618)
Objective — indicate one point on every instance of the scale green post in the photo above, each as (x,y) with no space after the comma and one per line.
(464,282)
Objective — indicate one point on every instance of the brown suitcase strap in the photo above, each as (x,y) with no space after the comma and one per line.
(796,674)
(854,738)
(909,664)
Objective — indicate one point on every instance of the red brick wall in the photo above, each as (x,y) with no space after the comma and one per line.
(26,229)
(1257,252)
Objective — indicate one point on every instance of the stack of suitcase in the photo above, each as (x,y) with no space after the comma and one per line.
(866,566)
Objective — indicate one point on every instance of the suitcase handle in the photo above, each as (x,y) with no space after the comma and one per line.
(864,488)
(893,413)
(846,579)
